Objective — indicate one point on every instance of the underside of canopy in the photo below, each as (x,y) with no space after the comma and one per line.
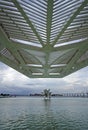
(44,38)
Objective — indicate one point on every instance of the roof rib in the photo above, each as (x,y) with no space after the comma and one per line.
(70,21)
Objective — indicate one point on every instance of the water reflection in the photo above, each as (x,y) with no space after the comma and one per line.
(47,102)
(40,114)
(47,106)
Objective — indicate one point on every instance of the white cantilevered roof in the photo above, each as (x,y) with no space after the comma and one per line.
(44,38)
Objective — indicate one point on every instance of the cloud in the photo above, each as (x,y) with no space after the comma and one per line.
(13,81)
(10,77)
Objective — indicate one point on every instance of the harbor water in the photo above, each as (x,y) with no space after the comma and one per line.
(32,113)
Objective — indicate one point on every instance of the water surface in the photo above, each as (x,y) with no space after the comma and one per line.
(25,113)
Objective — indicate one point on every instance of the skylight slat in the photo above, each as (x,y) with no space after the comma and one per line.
(32,12)
(12,8)
(12,12)
(64,7)
(9,3)
(36,9)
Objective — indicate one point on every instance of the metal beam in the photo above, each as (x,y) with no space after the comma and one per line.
(16,24)
(70,46)
(14,66)
(70,21)
(27,46)
(76,68)
(4,40)
(82,49)
(13,50)
(16,3)
(33,56)
(49,19)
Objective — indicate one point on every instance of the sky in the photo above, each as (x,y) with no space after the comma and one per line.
(13,82)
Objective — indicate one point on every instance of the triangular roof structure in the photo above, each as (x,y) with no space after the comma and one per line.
(44,38)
